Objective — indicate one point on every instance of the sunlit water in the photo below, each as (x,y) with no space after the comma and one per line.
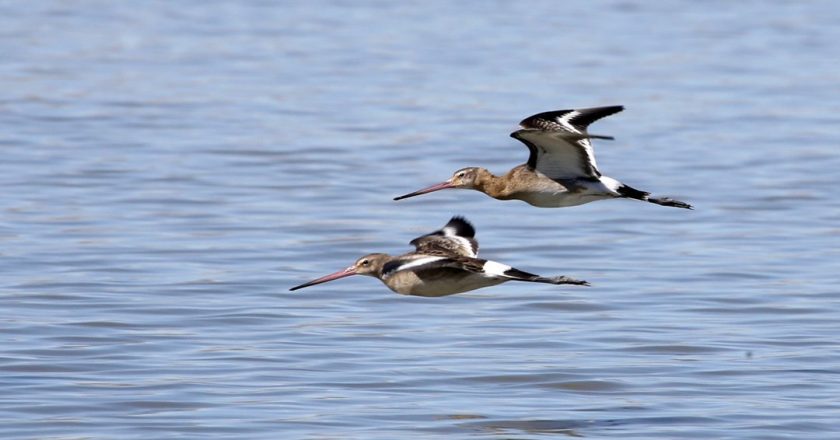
(170,169)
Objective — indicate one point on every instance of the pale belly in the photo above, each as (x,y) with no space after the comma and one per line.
(560,199)
(408,283)
(551,194)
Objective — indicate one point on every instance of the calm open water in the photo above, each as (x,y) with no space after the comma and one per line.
(170,169)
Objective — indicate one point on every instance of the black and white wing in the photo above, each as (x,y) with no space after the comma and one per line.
(456,238)
(423,264)
(559,143)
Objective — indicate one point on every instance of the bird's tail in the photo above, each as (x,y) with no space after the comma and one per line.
(519,275)
(633,193)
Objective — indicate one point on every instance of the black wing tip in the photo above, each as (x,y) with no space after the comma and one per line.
(567,280)
(612,109)
(461,226)
(561,279)
(667,201)
(683,205)
(603,111)
(585,117)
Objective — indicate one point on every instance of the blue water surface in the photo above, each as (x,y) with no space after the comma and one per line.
(170,169)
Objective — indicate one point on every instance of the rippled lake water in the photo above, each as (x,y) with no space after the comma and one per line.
(170,169)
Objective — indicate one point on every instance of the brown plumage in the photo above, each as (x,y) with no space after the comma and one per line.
(444,262)
(561,169)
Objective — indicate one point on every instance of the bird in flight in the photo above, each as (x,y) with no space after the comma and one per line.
(561,169)
(444,262)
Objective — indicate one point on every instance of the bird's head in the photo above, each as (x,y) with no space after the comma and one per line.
(370,265)
(465,178)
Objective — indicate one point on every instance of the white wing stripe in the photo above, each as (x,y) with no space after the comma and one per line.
(560,157)
(564,121)
(493,268)
(465,243)
(417,263)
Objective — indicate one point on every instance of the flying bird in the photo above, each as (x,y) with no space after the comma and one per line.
(561,169)
(444,262)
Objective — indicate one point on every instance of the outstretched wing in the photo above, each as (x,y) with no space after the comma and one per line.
(456,238)
(421,263)
(559,143)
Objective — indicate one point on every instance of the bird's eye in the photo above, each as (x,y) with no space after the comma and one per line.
(460,174)
(365,262)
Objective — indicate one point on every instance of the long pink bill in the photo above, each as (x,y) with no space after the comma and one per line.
(438,187)
(333,276)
